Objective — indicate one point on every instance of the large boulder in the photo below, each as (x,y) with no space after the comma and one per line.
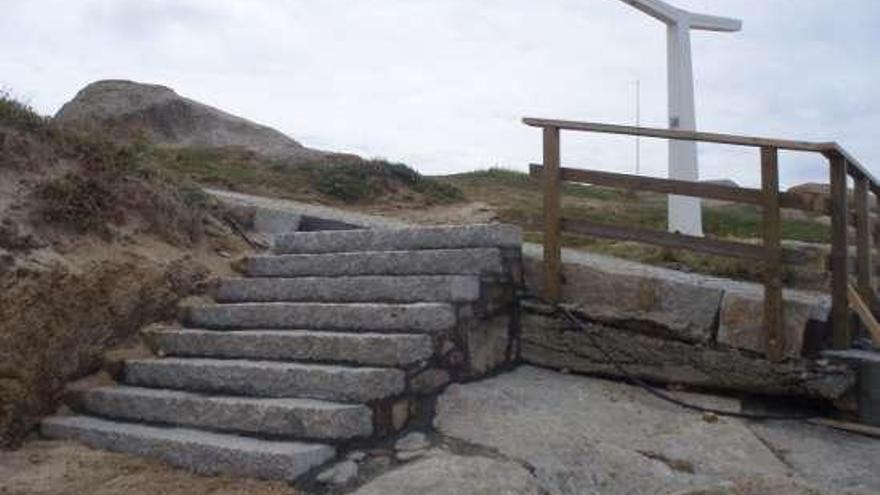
(123,110)
(676,305)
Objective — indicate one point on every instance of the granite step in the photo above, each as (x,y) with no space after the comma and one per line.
(441,237)
(472,261)
(373,349)
(360,317)
(424,288)
(198,451)
(266,378)
(300,418)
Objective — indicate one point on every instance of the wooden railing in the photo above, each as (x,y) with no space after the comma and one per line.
(841,164)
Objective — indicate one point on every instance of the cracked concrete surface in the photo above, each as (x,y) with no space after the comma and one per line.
(579,435)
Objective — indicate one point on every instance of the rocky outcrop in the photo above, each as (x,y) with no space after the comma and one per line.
(124,110)
(580,435)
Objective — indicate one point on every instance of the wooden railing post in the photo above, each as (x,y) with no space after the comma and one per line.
(773,306)
(842,338)
(552,206)
(863,240)
(863,246)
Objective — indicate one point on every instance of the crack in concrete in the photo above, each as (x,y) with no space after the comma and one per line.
(777,452)
(678,465)
(465,448)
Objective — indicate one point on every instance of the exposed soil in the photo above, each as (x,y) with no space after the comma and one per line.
(64,468)
(94,245)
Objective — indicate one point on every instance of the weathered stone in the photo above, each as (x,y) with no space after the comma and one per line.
(408,455)
(416,317)
(549,342)
(585,435)
(399,414)
(202,452)
(272,221)
(473,261)
(412,441)
(741,324)
(442,473)
(824,456)
(429,381)
(341,473)
(356,456)
(126,109)
(424,288)
(487,343)
(444,237)
(267,378)
(616,291)
(376,349)
(301,418)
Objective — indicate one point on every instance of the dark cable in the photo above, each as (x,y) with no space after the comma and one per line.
(573,319)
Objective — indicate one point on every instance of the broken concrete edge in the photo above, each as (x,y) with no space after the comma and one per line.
(305,211)
(550,342)
(687,307)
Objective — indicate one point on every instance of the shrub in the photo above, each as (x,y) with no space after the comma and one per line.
(20,115)
(348,182)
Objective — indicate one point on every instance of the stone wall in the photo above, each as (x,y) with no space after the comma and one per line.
(685,307)
(673,327)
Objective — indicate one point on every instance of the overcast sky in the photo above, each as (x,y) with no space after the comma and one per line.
(443,84)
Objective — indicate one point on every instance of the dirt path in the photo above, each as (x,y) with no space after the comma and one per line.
(54,468)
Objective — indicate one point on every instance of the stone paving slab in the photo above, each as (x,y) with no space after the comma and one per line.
(300,418)
(585,435)
(266,378)
(425,288)
(441,237)
(374,349)
(476,261)
(363,317)
(202,452)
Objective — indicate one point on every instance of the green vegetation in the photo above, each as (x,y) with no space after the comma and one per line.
(517,198)
(18,115)
(336,178)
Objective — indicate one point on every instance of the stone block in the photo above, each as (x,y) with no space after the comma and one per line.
(198,451)
(681,306)
(442,237)
(421,288)
(267,378)
(375,349)
(301,418)
(474,261)
(362,317)
(741,323)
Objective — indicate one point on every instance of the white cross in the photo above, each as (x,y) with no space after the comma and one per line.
(685,214)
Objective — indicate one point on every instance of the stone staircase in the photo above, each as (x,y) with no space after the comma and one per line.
(336,340)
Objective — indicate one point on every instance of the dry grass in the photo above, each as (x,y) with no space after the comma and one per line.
(95,242)
(518,200)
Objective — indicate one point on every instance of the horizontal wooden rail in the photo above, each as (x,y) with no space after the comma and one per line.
(829,149)
(665,239)
(679,135)
(679,187)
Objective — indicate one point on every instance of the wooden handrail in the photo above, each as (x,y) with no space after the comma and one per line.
(842,165)
(676,134)
(679,187)
(827,148)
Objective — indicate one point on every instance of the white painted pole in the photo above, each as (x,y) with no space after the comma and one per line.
(685,215)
